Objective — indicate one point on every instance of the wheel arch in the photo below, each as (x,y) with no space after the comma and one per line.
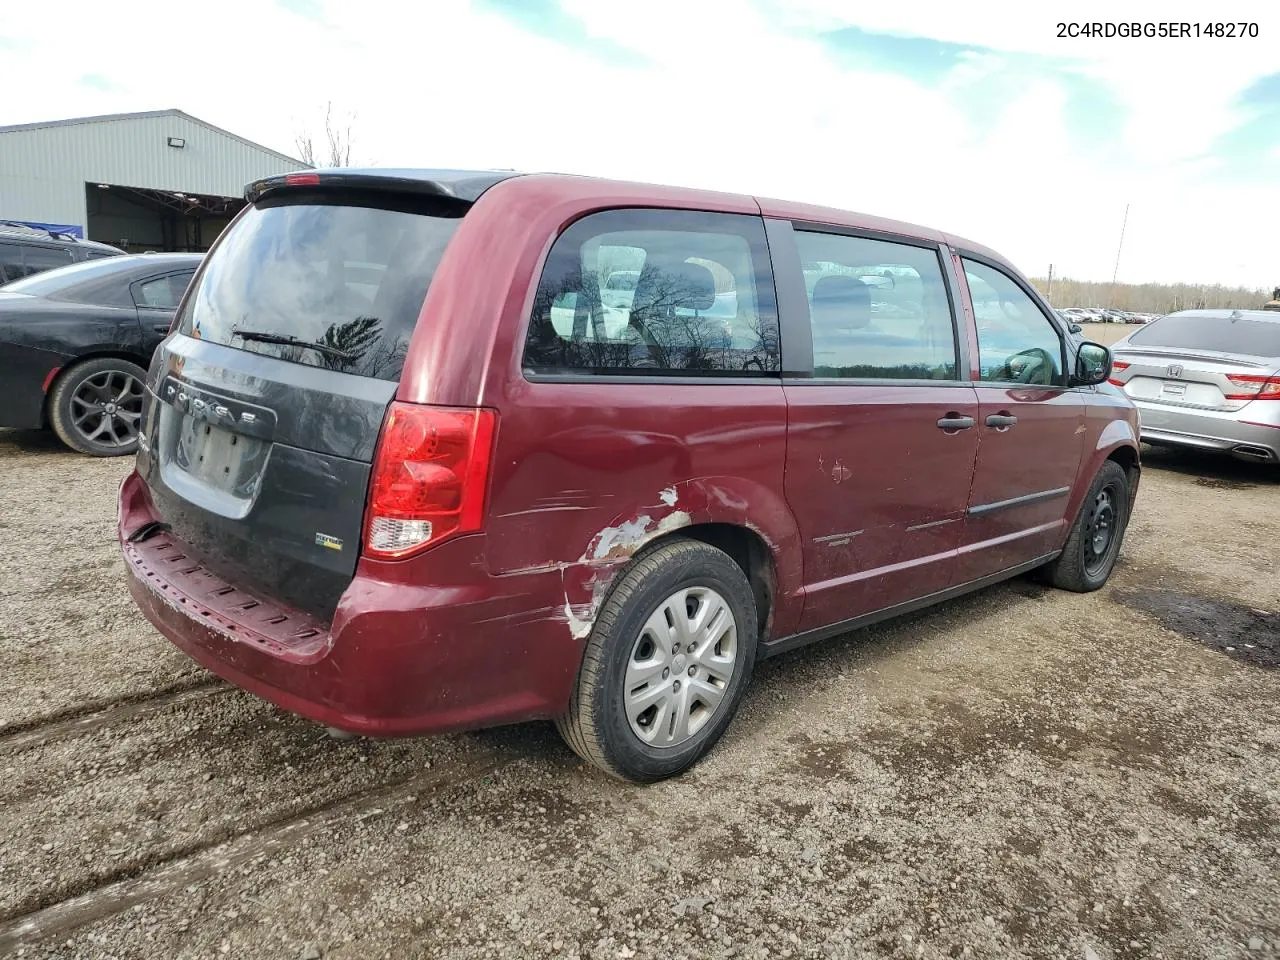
(1128,458)
(749,523)
(116,352)
(745,547)
(1116,441)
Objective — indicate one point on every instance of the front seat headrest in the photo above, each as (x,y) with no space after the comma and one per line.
(840,303)
(663,288)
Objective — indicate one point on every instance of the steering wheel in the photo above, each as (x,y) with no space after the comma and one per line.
(1036,364)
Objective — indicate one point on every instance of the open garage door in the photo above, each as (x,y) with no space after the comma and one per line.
(137,219)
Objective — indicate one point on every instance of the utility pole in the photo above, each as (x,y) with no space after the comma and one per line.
(1049,293)
(1116,272)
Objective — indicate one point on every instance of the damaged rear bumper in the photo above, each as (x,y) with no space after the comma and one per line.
(471,650)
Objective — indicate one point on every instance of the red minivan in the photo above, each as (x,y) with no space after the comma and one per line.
(436,450)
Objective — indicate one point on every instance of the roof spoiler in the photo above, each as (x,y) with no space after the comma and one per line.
(466,186)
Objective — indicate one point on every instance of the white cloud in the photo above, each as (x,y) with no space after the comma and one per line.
(729,100)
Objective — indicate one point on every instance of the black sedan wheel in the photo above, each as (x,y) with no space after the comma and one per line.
(96,406)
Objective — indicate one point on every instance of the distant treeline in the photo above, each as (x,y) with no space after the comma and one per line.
(1149,297)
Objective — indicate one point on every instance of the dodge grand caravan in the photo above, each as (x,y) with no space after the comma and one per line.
(403,469)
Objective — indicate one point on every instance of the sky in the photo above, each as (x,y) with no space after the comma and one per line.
(969,117)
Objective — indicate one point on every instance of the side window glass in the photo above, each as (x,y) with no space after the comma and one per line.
(877,309)
(39,259)
(178,284)
(10,262)
(163,293)
(671,292)
(1016,342)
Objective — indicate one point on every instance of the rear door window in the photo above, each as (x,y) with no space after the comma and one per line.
(39,259)
(657,292)
(11,262)
(322,283)
(18,260)
(162,293)
(877,309)
(1256,338)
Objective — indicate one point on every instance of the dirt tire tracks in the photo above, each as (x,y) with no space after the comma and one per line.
(87,719)
(107,895)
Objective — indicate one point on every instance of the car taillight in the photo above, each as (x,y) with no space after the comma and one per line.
(429,478)
(1117,365)
(1251,387)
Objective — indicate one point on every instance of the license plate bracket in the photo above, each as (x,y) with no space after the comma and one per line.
(218,458)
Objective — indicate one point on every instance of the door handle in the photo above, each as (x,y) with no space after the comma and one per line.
(162,327)
(1001,421)
(953,421)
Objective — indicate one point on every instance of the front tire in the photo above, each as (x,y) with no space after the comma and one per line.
(96,406)
(1090,554)
(668,660)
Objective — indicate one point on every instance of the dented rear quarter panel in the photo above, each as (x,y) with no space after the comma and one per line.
(584,497)
(586,473)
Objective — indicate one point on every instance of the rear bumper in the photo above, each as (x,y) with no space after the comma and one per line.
(400,658)
(1252,432)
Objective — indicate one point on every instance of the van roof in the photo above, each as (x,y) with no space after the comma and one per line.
(457,184)
(468,185)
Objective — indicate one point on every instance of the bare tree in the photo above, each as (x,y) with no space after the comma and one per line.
(335,150)
(1150,297)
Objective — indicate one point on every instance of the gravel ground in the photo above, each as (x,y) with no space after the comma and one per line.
(1019,773)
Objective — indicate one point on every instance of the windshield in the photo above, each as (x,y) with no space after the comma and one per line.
(350,279)
(52,283)
(1256,338)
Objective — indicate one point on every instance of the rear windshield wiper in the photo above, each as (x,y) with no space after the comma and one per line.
(264,337)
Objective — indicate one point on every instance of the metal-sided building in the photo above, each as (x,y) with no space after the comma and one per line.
(141,181)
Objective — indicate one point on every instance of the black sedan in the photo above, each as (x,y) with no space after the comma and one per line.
(75,343)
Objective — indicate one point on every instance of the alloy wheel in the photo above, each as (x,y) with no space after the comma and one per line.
(106,408)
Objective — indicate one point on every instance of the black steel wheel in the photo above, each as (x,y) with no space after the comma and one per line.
(1101,529)
(1093,544)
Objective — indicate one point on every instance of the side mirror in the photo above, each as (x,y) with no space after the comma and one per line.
(1093,365)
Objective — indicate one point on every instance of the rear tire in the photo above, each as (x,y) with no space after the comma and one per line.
(669,657)
(95,406)
(1094,542)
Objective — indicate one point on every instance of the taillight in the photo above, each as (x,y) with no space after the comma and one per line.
(429,477)
(1117,365)
(1252,387)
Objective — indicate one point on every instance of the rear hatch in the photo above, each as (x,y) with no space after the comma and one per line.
(265,403)
(1206,362)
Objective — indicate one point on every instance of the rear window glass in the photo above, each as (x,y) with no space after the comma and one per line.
(656,292)
(1258,338)
(335,286)
(99,281)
